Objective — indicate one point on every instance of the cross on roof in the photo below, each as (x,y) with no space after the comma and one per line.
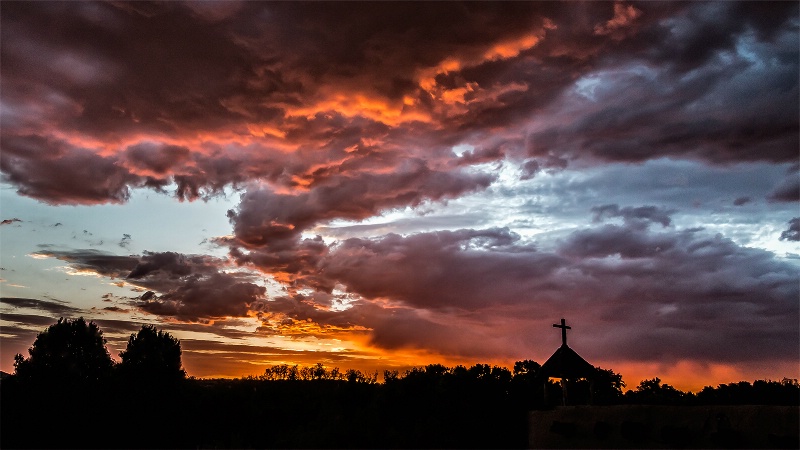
(564,329)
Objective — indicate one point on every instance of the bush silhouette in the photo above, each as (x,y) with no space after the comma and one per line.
(152,355)
(69,351)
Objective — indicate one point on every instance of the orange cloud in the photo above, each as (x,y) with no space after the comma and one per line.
(624,17)
(361,104)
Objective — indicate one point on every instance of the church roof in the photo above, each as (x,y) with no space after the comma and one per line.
(565,363)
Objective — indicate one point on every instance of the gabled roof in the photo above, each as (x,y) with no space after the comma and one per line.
(565,363)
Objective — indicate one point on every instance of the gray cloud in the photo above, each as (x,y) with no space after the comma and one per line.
(793,232)
(191,287)
(55,308)
(788,190)
(642,214)
(98,261)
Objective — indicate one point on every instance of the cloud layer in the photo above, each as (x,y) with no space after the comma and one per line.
(690,294)
(644,137)
(271,93)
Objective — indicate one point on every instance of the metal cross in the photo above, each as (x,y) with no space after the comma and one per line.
(564,329)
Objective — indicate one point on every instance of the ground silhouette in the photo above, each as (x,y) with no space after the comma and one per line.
(146,402)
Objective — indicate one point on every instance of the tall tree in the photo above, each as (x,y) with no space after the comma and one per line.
(152,355)
(69,351)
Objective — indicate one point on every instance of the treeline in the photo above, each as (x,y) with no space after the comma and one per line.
(760,392)
(69,394)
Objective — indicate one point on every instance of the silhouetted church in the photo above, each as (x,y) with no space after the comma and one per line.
(566,365)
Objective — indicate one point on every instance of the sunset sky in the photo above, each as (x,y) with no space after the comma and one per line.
(383,185)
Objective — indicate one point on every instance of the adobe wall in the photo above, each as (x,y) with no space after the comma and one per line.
(644,426)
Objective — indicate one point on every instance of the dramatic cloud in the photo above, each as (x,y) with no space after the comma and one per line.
(190,287)
(667,282)
(218,295)
(272,97)
(193,287)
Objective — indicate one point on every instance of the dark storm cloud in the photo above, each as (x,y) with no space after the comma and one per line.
(158,159)
(219,95)
(157,60)
(171,264)
(196,298)
(190,287)
(59,173)
(680,116)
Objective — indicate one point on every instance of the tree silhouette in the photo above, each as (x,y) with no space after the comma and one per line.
(152,355)
(652,391)
(69,351)
(526,369)
(607,387)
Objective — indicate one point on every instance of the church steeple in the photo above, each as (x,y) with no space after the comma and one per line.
(564,329)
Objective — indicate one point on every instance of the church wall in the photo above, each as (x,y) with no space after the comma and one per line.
(646,426)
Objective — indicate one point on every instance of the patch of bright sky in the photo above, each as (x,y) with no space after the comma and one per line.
(586,85)
(460,149)
(594,84)
(555,203)
(342,300)
(155,222)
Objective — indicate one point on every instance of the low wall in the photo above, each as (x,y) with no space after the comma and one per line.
(644,426)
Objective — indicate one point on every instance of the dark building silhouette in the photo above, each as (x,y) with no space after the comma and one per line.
(566,364)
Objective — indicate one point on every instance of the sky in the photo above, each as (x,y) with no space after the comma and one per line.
(385,185)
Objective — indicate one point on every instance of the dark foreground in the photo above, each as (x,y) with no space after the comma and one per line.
(260,414)
(662,426)
(433,407)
